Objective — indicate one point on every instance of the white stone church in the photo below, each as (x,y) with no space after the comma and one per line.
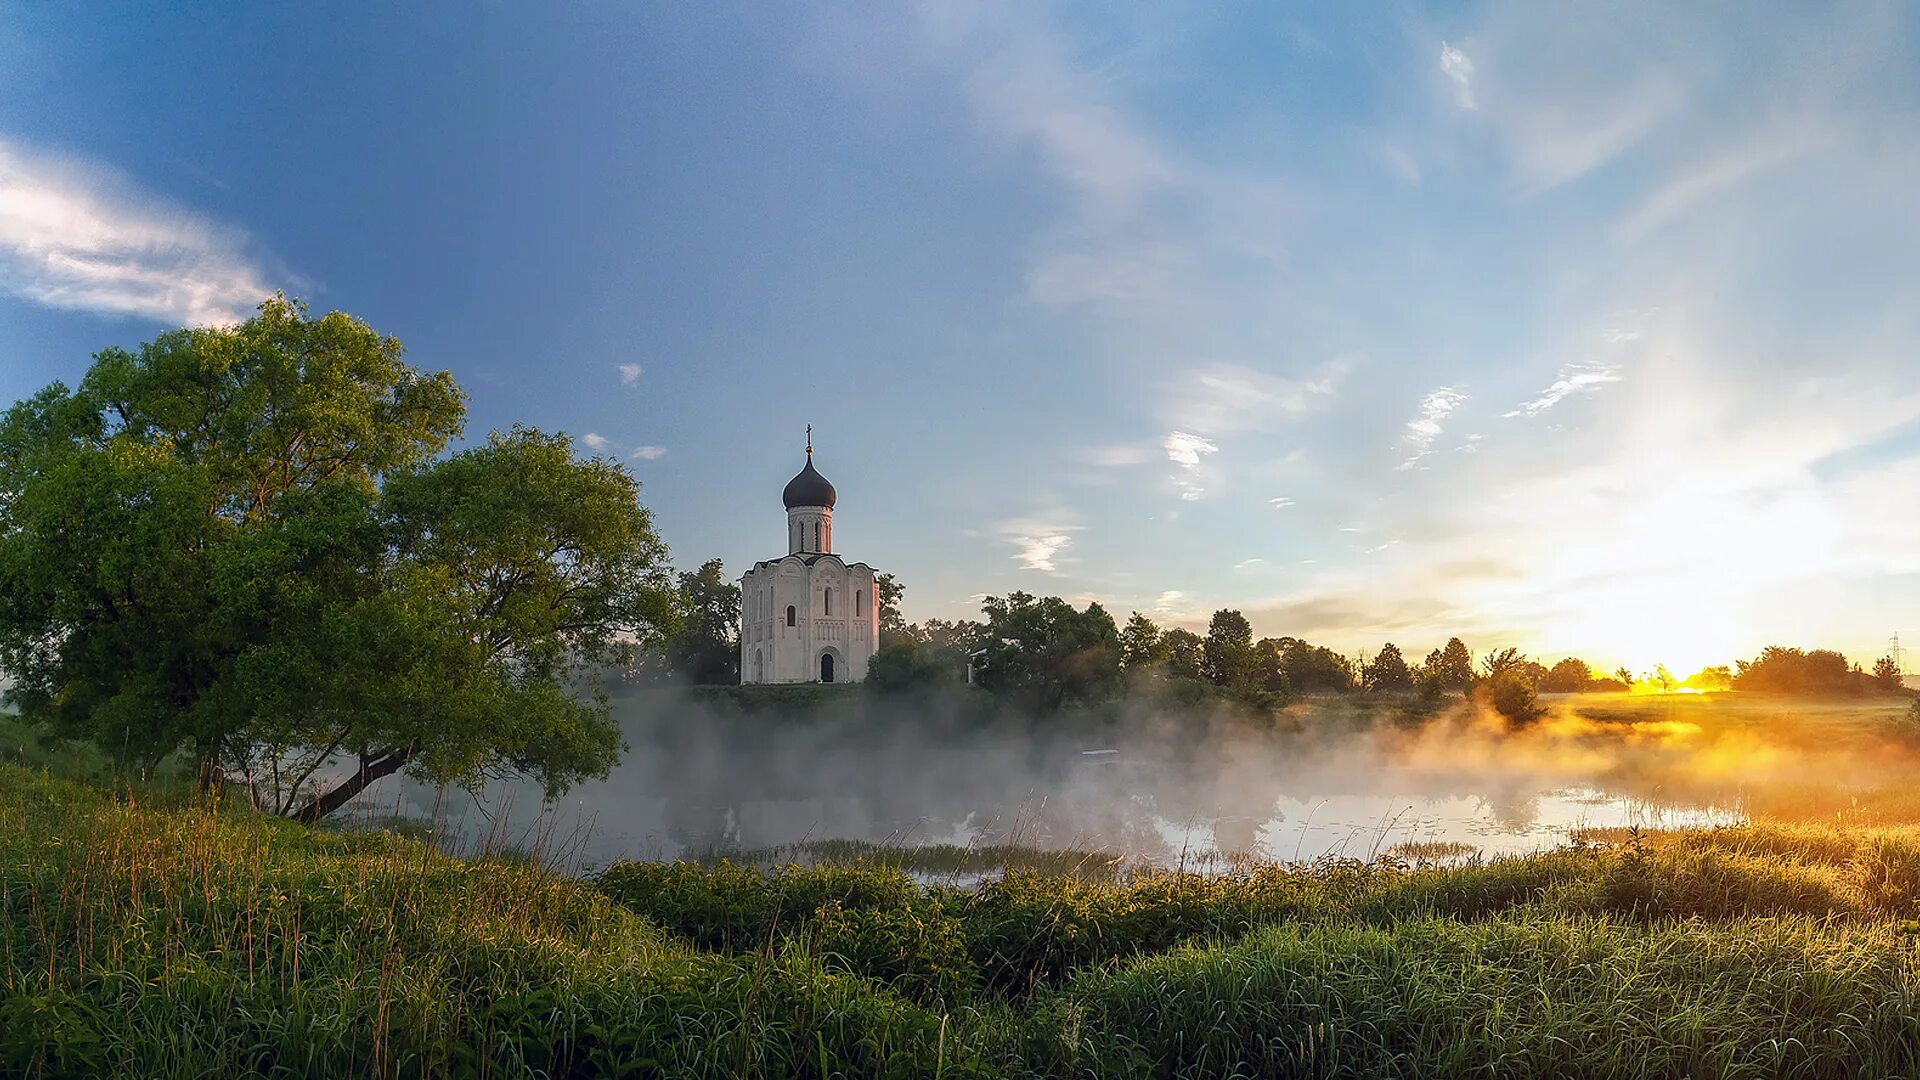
(808,616)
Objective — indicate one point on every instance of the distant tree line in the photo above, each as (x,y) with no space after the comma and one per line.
(1819,672)
(1044,654)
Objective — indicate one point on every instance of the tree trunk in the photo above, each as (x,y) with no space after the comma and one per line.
(371,769)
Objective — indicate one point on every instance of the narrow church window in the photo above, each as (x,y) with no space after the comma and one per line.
(789,614)
(816,536)
(828,597)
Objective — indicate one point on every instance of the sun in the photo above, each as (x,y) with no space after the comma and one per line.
(1643,629)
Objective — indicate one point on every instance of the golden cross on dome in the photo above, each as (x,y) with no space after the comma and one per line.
(809,440)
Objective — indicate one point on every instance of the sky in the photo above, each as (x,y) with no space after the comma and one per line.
(1589,329)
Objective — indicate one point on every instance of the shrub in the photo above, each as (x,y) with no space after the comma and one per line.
(1512,696)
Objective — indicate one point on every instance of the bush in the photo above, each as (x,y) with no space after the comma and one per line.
(1512,696)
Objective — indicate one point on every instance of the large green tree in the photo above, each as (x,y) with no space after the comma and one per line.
(1228,650)
(1143,647)
(1454,665)
(1044,653)
(246,542)
(1569,676)
(706,647)
(1387,672)
(1186,653)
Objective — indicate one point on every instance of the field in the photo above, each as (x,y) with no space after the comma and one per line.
(146,931)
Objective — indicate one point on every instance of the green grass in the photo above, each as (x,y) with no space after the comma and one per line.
(145,931)
(149,933)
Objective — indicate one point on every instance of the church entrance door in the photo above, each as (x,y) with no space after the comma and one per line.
(826,667)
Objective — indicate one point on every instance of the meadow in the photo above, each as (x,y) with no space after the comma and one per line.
(147,930)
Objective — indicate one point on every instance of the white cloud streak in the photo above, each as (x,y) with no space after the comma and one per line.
(1186,450)
(1038,544)
(629,374)
(1038,552)
(1575,379)
(77,236)
(1423,429)
(598,442)
(1459,68)
(648,453)
(1230,397)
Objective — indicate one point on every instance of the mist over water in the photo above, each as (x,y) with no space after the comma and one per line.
(1164,788)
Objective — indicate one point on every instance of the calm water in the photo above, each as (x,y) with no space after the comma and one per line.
(696,786)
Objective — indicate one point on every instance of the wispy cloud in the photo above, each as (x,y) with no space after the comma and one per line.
(1574,379)
(1038,544)
(1458,67)
(648,453)
(1724,169)
(598,442)
(629,374)
(1038,552)
(74,235)
(1423,429)
(1186,450)
(1248,564)
(1279,502)
(1231,397)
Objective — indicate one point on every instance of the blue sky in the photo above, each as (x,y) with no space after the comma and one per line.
(1590,329)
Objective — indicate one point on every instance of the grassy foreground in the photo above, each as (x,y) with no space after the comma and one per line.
(153,935)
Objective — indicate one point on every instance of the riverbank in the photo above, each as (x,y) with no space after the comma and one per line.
(150,933)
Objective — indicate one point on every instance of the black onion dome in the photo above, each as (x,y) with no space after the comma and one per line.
(808,489)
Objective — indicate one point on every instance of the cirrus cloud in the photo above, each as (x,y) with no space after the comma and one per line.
(76,235)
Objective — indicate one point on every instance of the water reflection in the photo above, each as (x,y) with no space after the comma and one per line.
(736,785)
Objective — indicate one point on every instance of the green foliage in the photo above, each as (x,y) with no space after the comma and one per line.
(1455,665)
(1569,676)
(1311,668)
(1228,650)
(1186,654)
(1143,647)
(706,647)
(1510,693)
(893,626)
(239,540)
(1042,653)
(909,665)
(1808,674)
(1887,674)
(1713,677)
(1387,672)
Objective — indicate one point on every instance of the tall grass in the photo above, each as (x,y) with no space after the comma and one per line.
(150,933)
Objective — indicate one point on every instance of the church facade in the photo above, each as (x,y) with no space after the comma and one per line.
(808,616)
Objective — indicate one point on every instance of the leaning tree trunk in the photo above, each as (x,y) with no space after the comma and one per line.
(371,769)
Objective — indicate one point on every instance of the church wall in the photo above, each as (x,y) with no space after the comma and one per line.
(792,654)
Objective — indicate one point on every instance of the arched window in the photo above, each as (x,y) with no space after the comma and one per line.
(789,614)
(827,598)
(859,601)
(816,536)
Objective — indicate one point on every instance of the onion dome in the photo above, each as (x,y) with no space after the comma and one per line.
(809,488)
